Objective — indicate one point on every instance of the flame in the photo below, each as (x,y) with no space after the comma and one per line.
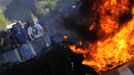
(77,50)
(65,36)
(116,45)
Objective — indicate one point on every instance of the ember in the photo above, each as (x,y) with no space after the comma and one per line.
(115,45)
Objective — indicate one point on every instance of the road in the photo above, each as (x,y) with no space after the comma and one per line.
(127,69)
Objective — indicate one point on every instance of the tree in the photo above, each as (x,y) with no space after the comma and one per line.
(45,5)
(3,21)
(3,3)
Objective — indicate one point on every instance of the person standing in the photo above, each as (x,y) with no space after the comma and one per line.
(6,43)
(35,31)
(36,35)
(19,34)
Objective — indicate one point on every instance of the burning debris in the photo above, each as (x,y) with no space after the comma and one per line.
(113,23)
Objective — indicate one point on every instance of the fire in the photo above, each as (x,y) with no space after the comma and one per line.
(116,44)
(65,36)
(78,50)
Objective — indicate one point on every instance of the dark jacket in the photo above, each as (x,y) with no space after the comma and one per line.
(19,35)
(5,42)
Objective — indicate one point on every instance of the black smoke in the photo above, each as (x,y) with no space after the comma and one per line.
(88,16)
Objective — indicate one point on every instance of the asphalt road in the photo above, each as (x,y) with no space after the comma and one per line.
(126,69)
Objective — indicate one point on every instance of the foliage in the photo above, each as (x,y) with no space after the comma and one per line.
(4,1)
(46,5)
(3,4)
(3,21)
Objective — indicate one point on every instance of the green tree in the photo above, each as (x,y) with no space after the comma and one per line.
(3,21)
(4,1)
(3,4)
(45,5)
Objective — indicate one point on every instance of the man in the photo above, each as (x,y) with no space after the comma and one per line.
(6,42)
(19,34)
(35,31)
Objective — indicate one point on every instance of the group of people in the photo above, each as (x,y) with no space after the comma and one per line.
(18,35)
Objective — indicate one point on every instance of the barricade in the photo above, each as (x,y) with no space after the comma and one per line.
(12,56)
(25,52)
(38,45)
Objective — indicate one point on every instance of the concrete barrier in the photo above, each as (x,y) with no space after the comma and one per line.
(25,52)
(12,56)
(38,45)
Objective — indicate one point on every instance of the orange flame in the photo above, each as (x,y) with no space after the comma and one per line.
(116,46)
(65,36)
